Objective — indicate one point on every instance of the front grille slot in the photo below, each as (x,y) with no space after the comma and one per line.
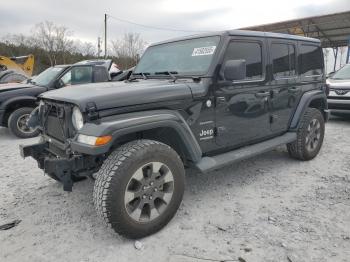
(55,128)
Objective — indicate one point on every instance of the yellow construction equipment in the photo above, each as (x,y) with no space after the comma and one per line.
(21,64)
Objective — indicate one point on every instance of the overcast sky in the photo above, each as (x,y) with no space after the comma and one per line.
(85,17)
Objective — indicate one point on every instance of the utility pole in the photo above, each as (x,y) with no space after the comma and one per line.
(99,47)
(105,35)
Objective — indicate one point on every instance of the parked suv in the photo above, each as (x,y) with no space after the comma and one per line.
(17,100)
(339,92)
(199,102)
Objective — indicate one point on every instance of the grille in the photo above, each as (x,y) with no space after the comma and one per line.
(341,92)
(57,121)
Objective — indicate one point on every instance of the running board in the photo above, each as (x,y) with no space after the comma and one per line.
(210,163)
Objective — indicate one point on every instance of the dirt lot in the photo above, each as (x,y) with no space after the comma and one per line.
(269,208)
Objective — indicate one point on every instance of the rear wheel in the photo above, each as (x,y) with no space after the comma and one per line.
(310,136)
(17,123)
(139,188)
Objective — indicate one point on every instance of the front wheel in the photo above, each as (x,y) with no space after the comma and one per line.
(139,188)
(310,136)
(17,123)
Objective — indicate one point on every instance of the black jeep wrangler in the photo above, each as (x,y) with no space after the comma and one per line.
(202,101)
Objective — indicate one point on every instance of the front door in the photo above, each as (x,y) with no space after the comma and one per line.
(242,107)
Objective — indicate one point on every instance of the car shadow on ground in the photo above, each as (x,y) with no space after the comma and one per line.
(237,171)
(245,172)
(231,178)
(253,170)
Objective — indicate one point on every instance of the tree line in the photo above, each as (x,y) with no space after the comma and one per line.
(53,44)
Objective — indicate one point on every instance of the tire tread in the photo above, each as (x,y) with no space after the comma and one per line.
(297,149)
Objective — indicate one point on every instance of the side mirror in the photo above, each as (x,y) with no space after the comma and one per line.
(235,69)
(57,84)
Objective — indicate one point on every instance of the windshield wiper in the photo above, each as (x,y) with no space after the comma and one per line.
(144,75)
(169,73)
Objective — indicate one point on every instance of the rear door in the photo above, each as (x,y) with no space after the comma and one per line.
(242,106)
(285,86)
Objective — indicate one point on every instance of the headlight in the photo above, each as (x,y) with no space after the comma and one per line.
(94,140)
(77,118)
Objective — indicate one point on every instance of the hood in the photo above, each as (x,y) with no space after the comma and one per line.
(13,86)
(339,83)
(118,94)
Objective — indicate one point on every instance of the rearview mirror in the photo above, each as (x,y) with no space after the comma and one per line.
(235,69)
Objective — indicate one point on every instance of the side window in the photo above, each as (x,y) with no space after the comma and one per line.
(81,75)
(251,52)
(283,60)
(310,60)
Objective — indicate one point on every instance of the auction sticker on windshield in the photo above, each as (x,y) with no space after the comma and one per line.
(206,50)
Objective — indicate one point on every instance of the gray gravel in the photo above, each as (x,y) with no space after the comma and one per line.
(269,208)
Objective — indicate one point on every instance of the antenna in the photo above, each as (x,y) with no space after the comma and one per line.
(99,47)
(105,35)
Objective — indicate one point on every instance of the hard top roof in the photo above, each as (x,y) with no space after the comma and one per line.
(332,29)
(242,33)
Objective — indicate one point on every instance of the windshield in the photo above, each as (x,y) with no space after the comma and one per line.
(44,78)
(343,73)
(187,57)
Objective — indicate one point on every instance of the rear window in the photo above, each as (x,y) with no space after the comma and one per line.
(283,60)
(311,60)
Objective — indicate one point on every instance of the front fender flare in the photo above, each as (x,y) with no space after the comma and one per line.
(18,99)
(129,123)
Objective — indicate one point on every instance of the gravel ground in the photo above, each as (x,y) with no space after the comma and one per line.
(269,208)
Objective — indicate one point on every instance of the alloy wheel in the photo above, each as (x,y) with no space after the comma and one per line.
(149,192)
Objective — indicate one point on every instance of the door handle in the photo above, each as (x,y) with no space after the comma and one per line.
(262,94)
(294,90)
(220,100)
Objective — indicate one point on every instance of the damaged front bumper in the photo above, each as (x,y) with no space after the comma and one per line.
(63,168)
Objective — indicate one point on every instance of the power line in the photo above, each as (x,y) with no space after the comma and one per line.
(156,27)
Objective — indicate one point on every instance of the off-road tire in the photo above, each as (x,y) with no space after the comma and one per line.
(13,120)
(298,149)
(114,175)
